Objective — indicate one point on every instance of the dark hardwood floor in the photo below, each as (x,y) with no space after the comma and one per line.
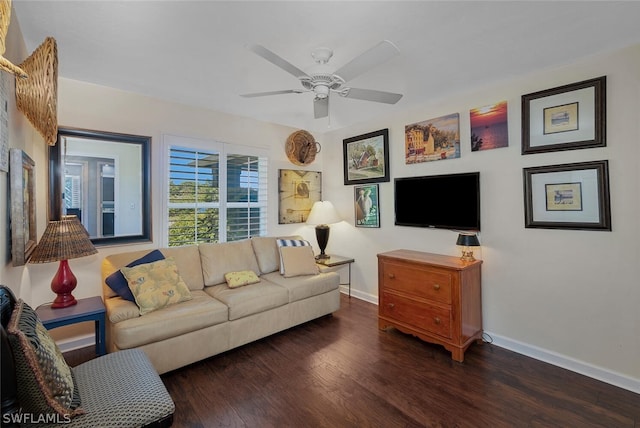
(341,371)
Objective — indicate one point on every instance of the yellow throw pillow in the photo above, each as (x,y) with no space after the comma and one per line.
(156,285)
(238,279)
(298,261)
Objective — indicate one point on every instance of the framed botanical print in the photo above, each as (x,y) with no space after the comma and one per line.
(568,196)
(568,117)
(367,205)
(297,191)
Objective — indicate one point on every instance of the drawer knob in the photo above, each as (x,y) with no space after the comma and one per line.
(391,305)
(437,320)
(436,286)
(392,275)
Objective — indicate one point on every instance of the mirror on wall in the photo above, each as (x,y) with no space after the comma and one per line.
(104,179)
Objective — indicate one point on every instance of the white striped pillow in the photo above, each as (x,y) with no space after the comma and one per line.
(289,243)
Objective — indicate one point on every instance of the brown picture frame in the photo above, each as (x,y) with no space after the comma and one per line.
(567,117)
(23,206)
(568,196)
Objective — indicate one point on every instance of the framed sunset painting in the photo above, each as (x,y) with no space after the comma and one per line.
(489,127)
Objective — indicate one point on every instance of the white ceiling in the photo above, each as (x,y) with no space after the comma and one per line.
(194,52)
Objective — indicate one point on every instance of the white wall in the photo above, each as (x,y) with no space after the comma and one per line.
(570,297)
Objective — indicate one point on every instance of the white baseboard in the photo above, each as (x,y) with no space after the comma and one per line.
(568,363)
(76,342)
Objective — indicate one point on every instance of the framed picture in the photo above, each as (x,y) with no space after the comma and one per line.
(489,127)
(565,118)
(297,191)
(367,205)
(23,209)
(366,158)
(568,196)
(433,139)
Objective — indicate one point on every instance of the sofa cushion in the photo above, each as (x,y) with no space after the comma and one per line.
(218,259)
(238,279)
(118,283)
(187,259)
(298,261)
(302,287)
(250,299)
(47,384)
(285,242)
(156,285)
(267,251)
(200,312)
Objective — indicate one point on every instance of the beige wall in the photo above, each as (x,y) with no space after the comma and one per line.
(568,297)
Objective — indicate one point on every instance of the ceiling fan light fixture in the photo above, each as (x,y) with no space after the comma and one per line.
(322,91)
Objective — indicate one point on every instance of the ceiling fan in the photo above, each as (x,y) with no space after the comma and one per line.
(323,80)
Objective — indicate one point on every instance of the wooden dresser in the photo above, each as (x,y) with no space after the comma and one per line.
(434,297)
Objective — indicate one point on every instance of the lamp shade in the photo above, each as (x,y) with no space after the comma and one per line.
(323,212)
(468,240)
(63,240)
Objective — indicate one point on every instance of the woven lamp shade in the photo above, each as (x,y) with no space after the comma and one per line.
(63,240)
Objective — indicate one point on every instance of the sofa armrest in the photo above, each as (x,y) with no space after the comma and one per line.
(119,309)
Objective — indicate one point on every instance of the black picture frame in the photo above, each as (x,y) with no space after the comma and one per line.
(366,198)
(568,196)
(366,158)
(567,117)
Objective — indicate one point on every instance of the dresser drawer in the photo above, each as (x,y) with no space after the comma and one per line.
(416,314)
(427,282)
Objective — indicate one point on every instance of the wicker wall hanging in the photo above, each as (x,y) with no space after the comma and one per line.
(301,148)
(5,18)
(37,96)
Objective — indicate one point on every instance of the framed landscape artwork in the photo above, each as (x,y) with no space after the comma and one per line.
(489,127)
(23,206)
(568,196)
(366,158)
(297,191)
(433,139)
(568,117)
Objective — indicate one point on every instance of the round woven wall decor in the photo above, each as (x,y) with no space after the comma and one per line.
(301,148)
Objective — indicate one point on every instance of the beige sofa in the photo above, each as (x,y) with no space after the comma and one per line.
(217,318)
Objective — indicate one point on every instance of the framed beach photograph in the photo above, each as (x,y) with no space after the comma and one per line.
(568,117)
(568,196)
(433,139)
(23,206)
(367,205)
(366,158)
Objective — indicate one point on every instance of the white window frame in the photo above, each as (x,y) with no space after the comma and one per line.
(223,149)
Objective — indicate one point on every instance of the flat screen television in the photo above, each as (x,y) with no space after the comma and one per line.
(449,201)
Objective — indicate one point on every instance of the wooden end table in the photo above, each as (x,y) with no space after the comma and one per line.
(89,309)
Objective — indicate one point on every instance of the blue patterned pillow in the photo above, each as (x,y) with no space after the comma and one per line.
(289,243)
(118,283)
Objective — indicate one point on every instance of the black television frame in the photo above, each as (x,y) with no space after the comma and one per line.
(464,226)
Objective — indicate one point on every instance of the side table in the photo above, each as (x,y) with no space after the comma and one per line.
(89,309)
(335,260)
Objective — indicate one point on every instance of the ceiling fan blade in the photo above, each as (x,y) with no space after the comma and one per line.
(277,60)
(370,95)
(378,54)
(264,94)
(320,107)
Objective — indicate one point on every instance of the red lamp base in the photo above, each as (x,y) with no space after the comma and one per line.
(63,283)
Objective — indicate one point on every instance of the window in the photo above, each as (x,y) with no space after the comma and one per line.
(215,192)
